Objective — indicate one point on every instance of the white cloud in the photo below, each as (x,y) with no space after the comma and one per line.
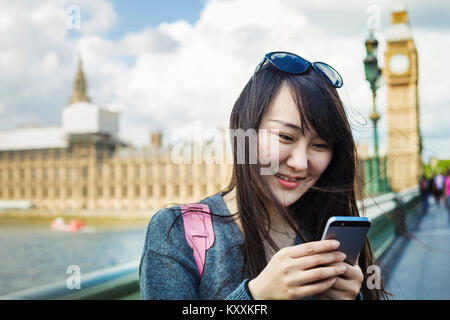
(181,72)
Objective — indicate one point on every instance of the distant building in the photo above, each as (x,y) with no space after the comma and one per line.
(84,165)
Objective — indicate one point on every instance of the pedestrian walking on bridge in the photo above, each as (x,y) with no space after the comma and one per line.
(438,184)
(424,193)
(447,193)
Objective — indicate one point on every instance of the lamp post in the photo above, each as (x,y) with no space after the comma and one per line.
(373,75)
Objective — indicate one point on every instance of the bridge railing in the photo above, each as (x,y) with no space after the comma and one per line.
(111,283)
(389,213)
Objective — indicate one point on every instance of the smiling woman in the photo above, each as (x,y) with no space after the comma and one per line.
(267,224)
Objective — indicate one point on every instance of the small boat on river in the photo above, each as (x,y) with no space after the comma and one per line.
(74,225)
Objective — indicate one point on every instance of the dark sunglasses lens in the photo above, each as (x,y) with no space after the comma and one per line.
(333,76)
(288,62)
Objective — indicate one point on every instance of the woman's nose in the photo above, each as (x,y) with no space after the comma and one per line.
(298,159)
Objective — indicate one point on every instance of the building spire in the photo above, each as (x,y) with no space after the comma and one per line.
(399,13)
(79,86)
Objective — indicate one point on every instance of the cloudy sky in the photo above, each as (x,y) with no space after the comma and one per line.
(168,64)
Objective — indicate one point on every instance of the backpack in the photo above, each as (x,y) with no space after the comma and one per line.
(424,185)
(198,230)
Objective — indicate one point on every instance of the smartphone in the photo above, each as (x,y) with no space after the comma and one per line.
(350,232)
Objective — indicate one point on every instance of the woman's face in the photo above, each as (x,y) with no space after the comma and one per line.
(302,157)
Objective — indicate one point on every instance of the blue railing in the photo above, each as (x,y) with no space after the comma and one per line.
(112,283)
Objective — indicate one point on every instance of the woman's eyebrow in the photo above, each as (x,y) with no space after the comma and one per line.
(290,125)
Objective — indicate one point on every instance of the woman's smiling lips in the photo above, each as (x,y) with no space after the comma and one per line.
(289,177)
(292,183)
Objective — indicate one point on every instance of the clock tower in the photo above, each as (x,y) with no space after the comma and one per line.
(401,77)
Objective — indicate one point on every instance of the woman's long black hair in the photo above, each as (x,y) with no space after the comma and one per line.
(334,194)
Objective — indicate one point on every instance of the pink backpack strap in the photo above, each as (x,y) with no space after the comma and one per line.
(198,230)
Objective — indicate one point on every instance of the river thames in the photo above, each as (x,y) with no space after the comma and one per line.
(33,255)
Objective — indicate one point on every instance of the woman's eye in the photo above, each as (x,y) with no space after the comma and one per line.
(321,145)
(285,137)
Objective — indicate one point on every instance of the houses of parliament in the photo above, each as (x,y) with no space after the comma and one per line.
(84,165)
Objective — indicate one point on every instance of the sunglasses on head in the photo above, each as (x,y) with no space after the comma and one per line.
(294,64)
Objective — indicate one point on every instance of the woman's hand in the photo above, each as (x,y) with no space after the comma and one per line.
(346,286)
(298,272)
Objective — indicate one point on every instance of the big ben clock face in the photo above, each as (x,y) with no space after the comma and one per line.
(399,63)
